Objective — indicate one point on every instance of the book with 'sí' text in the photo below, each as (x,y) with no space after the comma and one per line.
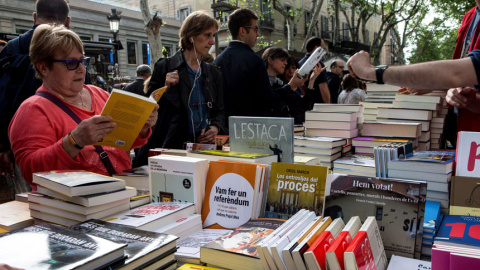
(77,183)
(130,112)
(48,246)
(315,255)
(366,249)
(334,254)
(142,246)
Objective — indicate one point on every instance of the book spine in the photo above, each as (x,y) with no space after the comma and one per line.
(338,249)
(360,251)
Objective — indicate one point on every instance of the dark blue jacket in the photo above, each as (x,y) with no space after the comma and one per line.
(136,87)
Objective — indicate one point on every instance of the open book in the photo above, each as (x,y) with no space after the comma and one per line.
(130,112)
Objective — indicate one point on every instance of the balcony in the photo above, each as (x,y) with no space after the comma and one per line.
(267,24)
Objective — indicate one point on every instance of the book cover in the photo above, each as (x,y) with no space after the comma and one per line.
(366,250)
(315,255)
(189,247)
(152,215)
(142,246)
(230,192)
(77,183)
(189,266)
(294,186)
(177,179)
(402,263)
(236,250)
(48,246)
(327,142)
(432,215)
(398,205)
(334,254)
(14,215)
(130,112)
(360,163)
(465,196)
(459,230)
(467,158)
(425,161)
(266,135)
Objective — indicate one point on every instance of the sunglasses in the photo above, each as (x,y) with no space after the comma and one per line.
(74,63)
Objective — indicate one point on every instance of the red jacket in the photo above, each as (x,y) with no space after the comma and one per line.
(467,120)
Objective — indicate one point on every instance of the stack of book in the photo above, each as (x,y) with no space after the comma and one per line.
(435,167)
(387,152)
(363,165)
(183,226)
(333,120)
(438,122)
(323,149)
(139,179)
(381,93)
(456,245)
(299,130)
(70,197)
(431,223)
(189,247)
(370,110)
(215,155)
(366,145)
(414,109)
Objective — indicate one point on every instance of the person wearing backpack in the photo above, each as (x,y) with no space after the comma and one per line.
(18,82)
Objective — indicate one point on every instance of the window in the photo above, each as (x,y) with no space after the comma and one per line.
(167,51)
(308,20)
(325,30)
(183,13)
(107,57)
(85,37)
(132,52)
(21,29)
(266,13)
(146,53)
(345,32)
(379,213)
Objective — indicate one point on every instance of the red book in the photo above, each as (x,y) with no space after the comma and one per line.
(366,251)
(315,255)
(334,254)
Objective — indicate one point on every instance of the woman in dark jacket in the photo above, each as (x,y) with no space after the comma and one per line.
(191,110)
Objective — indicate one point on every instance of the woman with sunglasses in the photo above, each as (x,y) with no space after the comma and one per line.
(46,137)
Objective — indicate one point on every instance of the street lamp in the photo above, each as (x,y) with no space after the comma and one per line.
(114,20)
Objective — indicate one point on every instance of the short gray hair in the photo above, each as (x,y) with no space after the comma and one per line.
(144,70)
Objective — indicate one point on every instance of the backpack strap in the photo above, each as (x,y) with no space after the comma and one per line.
(103,155)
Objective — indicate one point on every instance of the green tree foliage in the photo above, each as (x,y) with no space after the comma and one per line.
(434,41)
(453,9)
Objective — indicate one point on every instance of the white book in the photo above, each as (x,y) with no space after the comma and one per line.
(277,247)
(426,176)
(182,224)
(405,114)
(297,253)
(403,263)
(80,217)
(189,247)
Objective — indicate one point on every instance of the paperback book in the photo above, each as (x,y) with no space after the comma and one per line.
(266,135)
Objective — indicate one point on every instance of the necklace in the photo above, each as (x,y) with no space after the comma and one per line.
(84,106)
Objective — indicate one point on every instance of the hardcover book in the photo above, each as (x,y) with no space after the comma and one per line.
(142,246)
(77,183)
(152,215)
(468,159)
(465,196)
(233,193)
(398,205)
(293,186)
(177,179)
(48,246)
(236,250)
(265,135)
(130,112)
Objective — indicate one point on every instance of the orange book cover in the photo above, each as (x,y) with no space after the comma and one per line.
(229,194)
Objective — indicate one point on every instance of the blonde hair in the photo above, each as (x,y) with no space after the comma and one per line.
(52,40)
(196,23)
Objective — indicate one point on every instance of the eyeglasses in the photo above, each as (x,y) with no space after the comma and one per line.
(255,28)
(73,64)
(342,67)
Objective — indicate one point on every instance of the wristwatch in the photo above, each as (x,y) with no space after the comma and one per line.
(379,73)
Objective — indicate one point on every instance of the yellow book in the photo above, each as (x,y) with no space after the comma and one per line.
(130,112)
(188,266)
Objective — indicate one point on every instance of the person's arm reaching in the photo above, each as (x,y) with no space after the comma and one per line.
(442,74)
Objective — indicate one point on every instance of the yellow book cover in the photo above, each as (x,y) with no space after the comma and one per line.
(229,194)
(130,112)
(188,266)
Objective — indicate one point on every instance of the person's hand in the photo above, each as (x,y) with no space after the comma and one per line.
(6,164)
(316,72)
(171,79)
(92,130)
(462,97)
(413,91)
(151,121)
(8,267)
(359,65)
(209,135)
(297,80)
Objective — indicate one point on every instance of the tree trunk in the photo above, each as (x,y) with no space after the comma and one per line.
(152,28)
(316,11)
